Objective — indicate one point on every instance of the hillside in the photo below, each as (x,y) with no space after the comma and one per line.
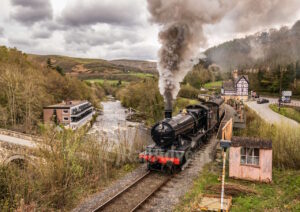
(98,68)
(26,87)
(263,49)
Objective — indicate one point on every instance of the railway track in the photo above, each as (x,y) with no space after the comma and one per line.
(136,194)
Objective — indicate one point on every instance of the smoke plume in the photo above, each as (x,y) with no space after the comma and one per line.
(181,33)
(181,37)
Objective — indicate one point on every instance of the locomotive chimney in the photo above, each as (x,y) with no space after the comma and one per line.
(168,113)
(168,104)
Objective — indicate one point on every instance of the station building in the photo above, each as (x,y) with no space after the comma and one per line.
(237,89)
(250,159)
(71,114)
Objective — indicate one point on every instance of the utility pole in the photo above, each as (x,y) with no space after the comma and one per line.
(224,144)
(280,88)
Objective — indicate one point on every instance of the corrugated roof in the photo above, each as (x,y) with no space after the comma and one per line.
(251,142)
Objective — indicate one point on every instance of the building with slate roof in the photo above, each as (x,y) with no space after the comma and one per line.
(236,88)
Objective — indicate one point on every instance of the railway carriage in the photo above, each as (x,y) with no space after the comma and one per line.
(175,138)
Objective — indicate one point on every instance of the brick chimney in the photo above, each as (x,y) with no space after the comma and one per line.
(235,74)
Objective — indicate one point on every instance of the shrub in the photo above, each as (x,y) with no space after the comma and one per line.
(143,96)
(187,91)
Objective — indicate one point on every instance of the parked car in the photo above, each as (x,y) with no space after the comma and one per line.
(285,99)
(262,101)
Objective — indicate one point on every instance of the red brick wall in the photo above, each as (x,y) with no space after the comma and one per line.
(48,113)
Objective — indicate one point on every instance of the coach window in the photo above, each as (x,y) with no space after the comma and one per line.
(250,156)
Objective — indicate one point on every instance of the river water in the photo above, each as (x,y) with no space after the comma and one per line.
(112,125)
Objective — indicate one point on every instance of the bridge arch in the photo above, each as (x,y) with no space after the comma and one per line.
(18,159)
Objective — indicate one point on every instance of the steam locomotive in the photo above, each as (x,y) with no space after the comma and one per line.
(176,138)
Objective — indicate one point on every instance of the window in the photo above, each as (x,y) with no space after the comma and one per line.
(66,111)
(250,156)
(66,119)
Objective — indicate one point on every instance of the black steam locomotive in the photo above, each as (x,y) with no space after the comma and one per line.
(175,138)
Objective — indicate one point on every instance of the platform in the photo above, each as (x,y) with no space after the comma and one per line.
(213,203)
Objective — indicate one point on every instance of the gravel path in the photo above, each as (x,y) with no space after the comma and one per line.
(269,115)
(18,141)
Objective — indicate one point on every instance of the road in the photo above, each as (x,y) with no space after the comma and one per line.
(18,141)
(269,115)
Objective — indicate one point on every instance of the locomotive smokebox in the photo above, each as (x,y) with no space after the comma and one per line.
(168,113)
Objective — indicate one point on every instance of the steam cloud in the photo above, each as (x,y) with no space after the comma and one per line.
(181,36)
(181,33)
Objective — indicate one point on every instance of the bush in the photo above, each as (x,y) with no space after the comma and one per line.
(187,91)
(143,96)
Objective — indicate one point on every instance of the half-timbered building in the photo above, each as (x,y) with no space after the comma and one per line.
(237,88)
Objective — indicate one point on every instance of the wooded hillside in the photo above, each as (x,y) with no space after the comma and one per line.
(271,59)
(27,86)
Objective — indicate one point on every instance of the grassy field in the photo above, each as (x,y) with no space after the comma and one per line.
(141,75)
(281,195)
(101,81)
(137,75)
(288,112)
(210,85)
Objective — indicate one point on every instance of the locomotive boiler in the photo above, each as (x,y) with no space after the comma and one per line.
(175,138)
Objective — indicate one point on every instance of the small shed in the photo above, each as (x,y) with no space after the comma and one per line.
(250,159)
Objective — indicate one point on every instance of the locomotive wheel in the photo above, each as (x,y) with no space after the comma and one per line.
(170,167)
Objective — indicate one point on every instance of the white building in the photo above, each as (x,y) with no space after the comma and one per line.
(238,88)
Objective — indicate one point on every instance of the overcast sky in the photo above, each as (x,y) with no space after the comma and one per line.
(101,28)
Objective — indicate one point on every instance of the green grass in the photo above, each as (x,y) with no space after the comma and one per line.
(288,112)
(210,85)
(281,195)
(140,75)
(101,81)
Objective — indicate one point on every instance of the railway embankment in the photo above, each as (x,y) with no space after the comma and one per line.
(280,195)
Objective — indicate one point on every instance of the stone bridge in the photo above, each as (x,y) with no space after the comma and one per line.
(17,147)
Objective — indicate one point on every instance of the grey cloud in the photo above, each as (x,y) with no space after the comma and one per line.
(31,11)
(105,36)
(251,14)
(22,42)
(41,34)
(111,12)
(1,31)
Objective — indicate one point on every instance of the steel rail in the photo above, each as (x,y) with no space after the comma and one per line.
(112,199)
(158,187)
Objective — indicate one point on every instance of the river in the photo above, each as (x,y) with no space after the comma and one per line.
(112,125)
